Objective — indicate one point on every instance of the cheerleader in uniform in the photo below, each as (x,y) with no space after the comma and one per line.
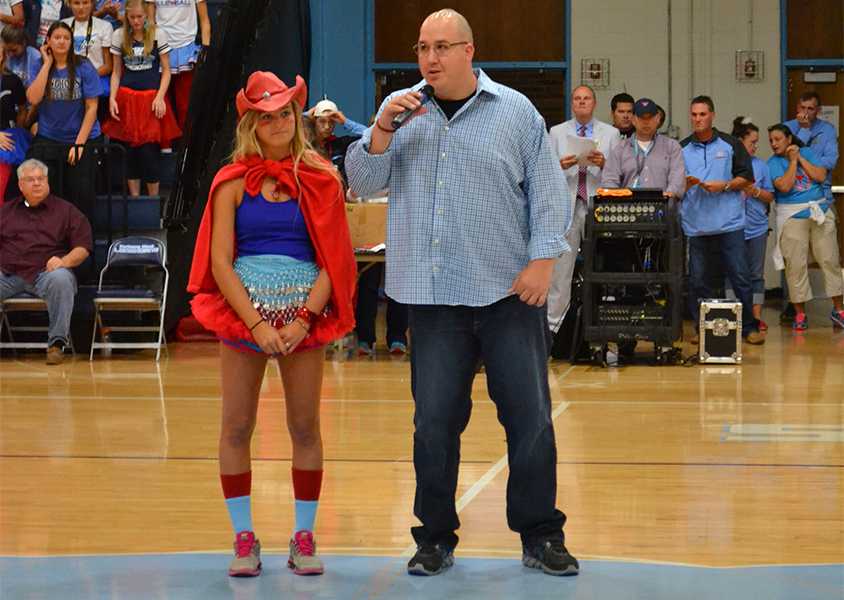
(141,115)
(181,20)
(274,276)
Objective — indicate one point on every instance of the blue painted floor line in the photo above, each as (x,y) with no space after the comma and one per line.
(203,577)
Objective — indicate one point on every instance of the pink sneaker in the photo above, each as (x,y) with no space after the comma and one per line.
(247,556)
(801,322)
(303,559)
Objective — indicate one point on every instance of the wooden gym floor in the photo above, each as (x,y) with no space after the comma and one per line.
(701,467)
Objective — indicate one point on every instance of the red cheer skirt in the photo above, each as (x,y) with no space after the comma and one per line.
(138,125)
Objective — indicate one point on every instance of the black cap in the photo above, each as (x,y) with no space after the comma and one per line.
(644,106)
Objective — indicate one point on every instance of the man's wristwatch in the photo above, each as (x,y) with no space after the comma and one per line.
(727,187)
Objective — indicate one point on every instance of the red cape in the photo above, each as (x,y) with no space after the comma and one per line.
(321,201)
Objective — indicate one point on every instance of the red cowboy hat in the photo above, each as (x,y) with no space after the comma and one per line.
(265,92)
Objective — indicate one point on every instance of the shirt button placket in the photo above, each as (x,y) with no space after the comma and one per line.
(438,224)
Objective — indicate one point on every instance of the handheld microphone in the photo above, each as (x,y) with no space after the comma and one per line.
(401,118)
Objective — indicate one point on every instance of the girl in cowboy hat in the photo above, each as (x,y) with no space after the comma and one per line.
(274,275)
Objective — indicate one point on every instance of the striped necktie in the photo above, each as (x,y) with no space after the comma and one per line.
(581,172)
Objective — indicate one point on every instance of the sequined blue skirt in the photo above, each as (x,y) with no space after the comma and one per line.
(277,285)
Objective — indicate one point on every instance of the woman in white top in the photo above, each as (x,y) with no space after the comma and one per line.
(181,20)
(91,39)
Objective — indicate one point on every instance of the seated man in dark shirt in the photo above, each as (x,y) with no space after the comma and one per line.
(42,238)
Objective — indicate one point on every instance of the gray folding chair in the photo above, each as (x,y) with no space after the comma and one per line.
(24,303)
(133,252)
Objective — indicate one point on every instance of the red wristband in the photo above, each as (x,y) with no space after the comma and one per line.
(307,315)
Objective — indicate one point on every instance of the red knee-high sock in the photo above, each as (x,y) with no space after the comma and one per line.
(235,486)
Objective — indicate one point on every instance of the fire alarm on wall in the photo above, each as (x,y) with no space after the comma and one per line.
(750,66)
(595,72)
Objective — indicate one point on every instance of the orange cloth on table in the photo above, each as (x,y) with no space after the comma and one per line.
(322,204)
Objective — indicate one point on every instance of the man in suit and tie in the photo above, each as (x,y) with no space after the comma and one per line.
(584,178)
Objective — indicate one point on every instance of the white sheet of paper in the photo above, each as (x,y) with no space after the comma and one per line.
(580,147)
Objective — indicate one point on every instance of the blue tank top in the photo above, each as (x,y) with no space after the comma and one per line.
(264,227)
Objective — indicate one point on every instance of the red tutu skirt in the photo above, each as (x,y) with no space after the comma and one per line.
(138,125)
(215,314)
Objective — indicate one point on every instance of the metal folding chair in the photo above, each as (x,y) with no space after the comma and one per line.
(24,302)
(143,252)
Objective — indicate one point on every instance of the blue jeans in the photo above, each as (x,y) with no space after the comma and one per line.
(513,341)
(57,288)
(755,249)
(704,267)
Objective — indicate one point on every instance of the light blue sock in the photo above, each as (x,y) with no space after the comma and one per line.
(240,513)
(305,515)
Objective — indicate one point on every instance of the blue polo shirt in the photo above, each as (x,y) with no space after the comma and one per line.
(805,188)
(722,157)
(756,211)
(823,141)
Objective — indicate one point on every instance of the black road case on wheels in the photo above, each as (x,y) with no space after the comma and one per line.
(633,272)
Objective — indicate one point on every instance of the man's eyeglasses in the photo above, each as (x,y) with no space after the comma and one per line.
(439,48)
(36,179)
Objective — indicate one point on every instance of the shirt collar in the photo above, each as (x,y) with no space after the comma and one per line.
(41,205)
(634,142)
(485,84)
(715,136)
(590,126)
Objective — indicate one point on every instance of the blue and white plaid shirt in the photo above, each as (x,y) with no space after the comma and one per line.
(472,200)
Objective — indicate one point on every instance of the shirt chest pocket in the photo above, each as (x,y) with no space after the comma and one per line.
(722,165)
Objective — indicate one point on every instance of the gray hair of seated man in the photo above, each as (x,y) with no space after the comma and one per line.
(32,163)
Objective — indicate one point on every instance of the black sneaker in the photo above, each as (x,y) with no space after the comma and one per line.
(430,560)
(551,556)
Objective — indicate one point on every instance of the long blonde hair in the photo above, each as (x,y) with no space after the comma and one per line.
(129,35)
(246,143)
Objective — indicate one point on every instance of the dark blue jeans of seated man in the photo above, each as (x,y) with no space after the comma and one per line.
(705,267)
(448,343)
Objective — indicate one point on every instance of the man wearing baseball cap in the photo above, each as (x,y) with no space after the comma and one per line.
(648,159)
(324,116)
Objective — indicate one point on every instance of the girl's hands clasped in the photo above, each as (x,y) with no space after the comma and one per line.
(293,334)
(282,341)
(268,339)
